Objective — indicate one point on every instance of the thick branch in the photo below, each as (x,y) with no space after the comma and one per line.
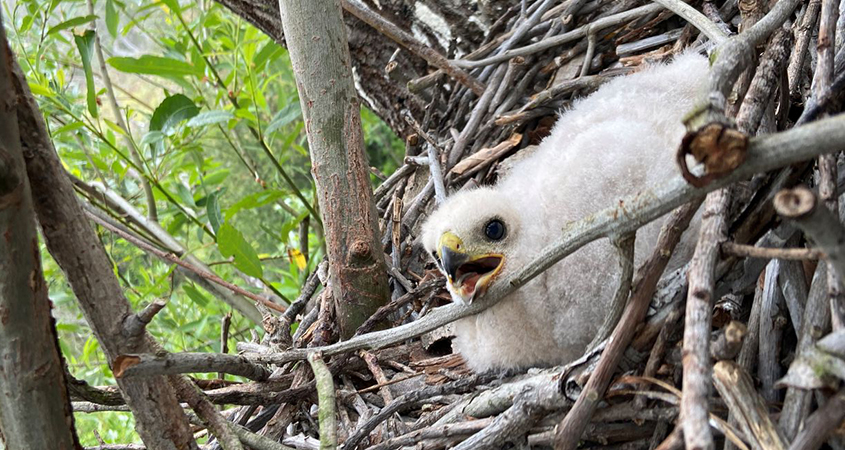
(159,419)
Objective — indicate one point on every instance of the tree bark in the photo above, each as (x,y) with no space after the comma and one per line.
(35,411)
(322,66)
(159,419)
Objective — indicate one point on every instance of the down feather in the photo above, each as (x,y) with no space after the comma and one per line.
(617,142)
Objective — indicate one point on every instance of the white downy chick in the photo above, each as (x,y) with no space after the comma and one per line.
(617,142)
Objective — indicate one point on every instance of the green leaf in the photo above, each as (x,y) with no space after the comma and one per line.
(155,65)
(195,295)
(254,200)
(288,114)
(38,89)
(269,52)
(231,242)
(215,218)
(75,22)
(85,44)
(72,126)
(112,19)
(209,118)
(171,111)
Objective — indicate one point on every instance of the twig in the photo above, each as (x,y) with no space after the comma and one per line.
(819,223)
(145,365)
(570,429)
(433,159)
(803,33)
(821,424)
(737,389)
(698,317)
(528,407)
(816,318)
(206,412)
(121,122)
(135,324)
(326,401)
(789,254)
(763,85)
(700,21)
(555,41)
(169,257)
(768,366)
(256,441)
(458,387)
(434,432)
(403,38)
(624,246)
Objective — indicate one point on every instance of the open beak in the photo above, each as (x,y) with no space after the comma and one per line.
(468,274)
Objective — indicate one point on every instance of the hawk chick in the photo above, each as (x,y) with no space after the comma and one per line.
(612,144)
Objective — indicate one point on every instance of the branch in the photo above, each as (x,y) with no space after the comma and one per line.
(697,323)
(817,222)
(71,240)
(745,404)
(750,251)
(697,19)
(326,401)
(145,365)
(555,41)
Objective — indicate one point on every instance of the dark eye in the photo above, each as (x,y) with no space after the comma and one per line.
(494,230)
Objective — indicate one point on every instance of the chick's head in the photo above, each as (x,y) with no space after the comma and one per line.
(473,237)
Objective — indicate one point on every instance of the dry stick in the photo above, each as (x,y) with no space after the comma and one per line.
(170,257)
(405,39)
(478,113)
(527,408)
(790,254)
(145,365)
(821,89)
(555,41)
(764,84)
(326,401)
(745,404)
(768,364)
(624,246)
(697,323)
(434,432)
(256,441)
(733,55)
(821,424)
(573,425)
(121,122)
(764,154)
(206,411)
(748,353)
(433,159)
(819,223)
(700,21)
(457,387)
(803,33)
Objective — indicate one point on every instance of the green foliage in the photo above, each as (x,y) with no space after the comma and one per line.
(202,93)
